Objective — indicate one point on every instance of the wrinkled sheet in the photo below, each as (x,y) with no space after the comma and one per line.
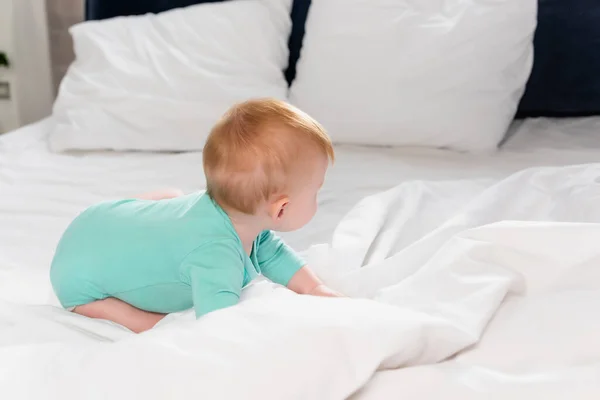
(521,257)
(542,342)
(460,289)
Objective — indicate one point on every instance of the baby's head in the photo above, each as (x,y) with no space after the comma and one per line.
(268,159)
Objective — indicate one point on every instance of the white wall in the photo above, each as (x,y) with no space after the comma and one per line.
(8,112)
(24,36)
(34,77)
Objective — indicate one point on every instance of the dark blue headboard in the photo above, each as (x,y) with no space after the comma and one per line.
(103,9)
(565,80)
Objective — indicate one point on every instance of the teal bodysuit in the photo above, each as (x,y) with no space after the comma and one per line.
(163,256)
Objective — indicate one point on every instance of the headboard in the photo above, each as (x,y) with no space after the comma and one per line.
(565,81)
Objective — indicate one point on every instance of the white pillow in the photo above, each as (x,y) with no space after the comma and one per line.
(160,82)
(441,73)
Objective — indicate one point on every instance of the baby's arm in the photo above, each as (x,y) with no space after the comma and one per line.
(216,275)
(280,264)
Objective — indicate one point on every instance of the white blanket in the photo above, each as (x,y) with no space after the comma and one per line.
(511,307)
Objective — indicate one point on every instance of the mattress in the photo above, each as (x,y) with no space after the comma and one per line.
(40,192)
(389,210)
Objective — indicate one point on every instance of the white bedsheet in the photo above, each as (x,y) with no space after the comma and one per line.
(429,245)
(542,342)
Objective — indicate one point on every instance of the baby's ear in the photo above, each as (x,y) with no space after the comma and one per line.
(282,210)
(278,207)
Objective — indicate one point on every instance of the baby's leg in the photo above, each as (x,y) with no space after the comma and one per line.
(120,312)
(160,194)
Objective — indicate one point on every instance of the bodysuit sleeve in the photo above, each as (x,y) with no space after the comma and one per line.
(277,261)
(215,272)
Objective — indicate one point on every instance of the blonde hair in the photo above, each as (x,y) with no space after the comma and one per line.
(254,148)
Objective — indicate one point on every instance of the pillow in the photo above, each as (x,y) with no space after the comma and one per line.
(103,9)
(160,82)
(445,73)
(565,81)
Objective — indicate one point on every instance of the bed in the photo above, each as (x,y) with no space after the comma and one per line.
(482,267)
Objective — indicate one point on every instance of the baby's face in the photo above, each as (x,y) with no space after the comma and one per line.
(302,204)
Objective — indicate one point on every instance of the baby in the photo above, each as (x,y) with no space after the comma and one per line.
(133,261)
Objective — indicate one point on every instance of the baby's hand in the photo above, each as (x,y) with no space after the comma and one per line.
(306,282)
(324,291)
